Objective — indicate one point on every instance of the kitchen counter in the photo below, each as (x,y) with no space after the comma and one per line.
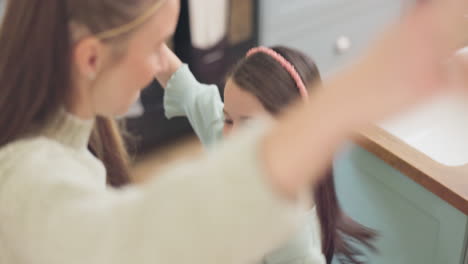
(450,183)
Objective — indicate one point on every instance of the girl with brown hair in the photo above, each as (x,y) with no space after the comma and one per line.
(264,84)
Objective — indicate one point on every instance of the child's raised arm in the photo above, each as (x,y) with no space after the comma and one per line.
(169,63)
(184,96)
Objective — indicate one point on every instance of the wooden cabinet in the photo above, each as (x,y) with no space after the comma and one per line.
(415,226)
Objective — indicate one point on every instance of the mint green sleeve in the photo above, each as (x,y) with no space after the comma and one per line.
(200,103)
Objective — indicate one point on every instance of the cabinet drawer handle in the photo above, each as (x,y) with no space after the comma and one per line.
(343,45)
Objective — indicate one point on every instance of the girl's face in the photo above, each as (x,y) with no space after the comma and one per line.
(240,106)
(119,81)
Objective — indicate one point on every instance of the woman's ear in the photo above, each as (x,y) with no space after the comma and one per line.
(88,57)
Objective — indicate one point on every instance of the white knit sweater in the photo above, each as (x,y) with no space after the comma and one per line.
(55,207)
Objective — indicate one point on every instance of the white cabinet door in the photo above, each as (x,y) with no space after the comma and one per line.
(330,31)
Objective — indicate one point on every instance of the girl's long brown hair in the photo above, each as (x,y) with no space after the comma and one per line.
(35,68)
(274,87)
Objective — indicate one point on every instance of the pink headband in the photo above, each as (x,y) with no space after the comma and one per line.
(286,65)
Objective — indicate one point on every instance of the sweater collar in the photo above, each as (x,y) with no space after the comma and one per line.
(69,130)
